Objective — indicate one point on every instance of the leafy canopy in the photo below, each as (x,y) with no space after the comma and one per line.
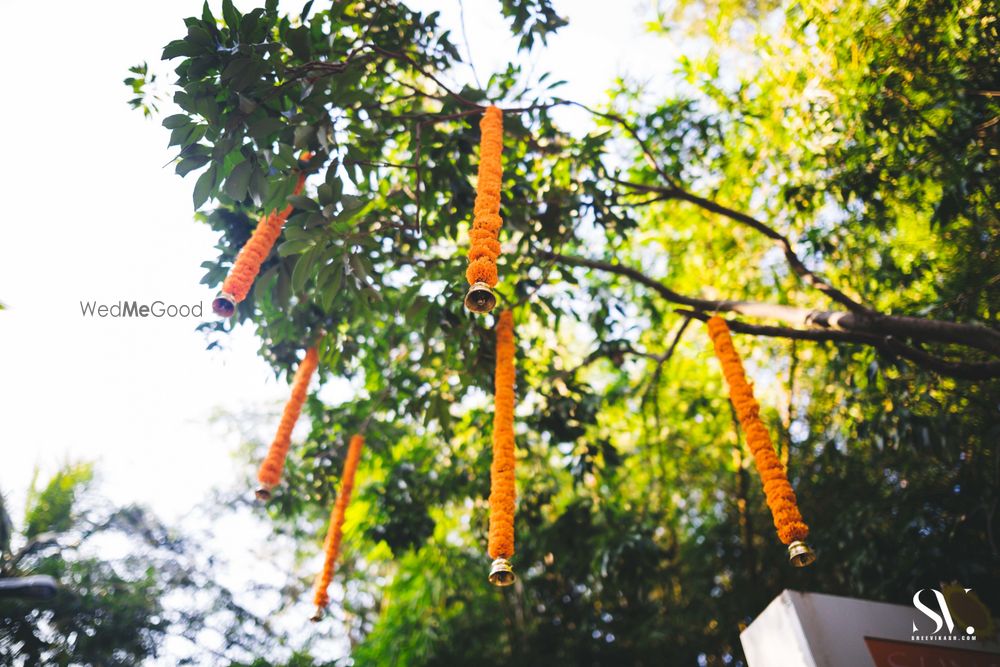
(857,139)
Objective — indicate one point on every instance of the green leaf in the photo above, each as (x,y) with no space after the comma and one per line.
(294,247)
(177,120)
(263,127)
(260,186)
(352,206)
(239,181)
(303,270)
(51,510)
(235,69)
(285,157)
(358,267)
(180,135)
(303,135)
(203,187)
(247,105)
(231,16)
(314,220)
(325,194)
(298,41)
(201,39)
(329,281)
(187,165)
(249,23)
(303,202)
(178,48)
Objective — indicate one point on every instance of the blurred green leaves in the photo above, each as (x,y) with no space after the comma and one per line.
(50,509)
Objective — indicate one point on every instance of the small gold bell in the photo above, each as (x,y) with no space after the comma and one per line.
(480,298)
(263,494)
(501,573)
(224,305)
(317,616)
(800,555)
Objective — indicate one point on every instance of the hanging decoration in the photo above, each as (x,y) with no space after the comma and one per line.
(269,474)
(237,284)
(791,528)
(334,533)
(484,248)
(502,491)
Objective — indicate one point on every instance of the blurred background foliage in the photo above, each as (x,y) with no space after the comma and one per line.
(865,132)
(128,586)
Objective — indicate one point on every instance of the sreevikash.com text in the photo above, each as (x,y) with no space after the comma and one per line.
(136,309)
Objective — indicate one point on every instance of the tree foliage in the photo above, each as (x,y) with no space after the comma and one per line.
(825,175)
(126,585)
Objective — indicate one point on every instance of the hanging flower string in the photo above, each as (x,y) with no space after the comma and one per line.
(335,531)
(791,528)
(502,491)
(484,248)
(269,474)
(237,284)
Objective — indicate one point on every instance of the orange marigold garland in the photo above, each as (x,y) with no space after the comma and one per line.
(269,473)
(252,255)
(502,491)
(791,528)
(484,248)
(335,531)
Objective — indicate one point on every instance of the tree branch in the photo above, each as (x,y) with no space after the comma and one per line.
(800,269)
(871,329)
(960,369)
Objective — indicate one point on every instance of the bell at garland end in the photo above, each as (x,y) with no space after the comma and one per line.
(480,298)
(501,573)
(224,305)
(800,555)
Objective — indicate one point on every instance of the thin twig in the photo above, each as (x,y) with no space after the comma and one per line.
(468,48)
(800,269)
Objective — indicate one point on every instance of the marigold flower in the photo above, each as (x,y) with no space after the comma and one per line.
(484,248)
(270,470)
(502,491)
(335,531)
(237,284)
(780,496)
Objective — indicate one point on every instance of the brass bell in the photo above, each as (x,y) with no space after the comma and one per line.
(501,573)
(480,298)
(317,616)
(800,555)
(224,305)
(263,494)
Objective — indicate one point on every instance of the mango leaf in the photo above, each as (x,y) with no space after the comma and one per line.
(239,181)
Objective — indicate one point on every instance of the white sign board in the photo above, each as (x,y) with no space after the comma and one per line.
(814,630)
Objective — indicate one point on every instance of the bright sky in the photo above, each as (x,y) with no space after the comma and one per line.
(93,215)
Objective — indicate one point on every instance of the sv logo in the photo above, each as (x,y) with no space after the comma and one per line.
(942,619)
